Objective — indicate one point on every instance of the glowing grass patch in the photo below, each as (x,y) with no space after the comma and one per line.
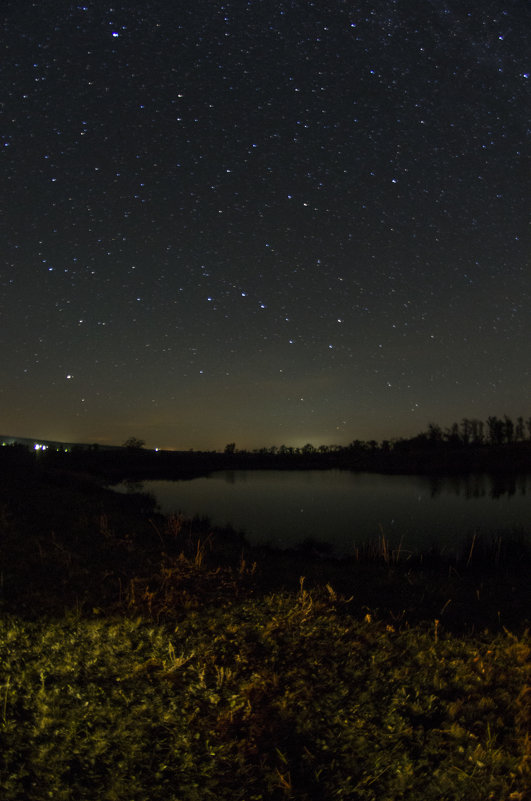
(281,697)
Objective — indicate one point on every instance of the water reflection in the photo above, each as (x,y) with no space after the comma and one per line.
(481,485)
(346,509)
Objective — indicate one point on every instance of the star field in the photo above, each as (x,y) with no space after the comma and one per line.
(268,222)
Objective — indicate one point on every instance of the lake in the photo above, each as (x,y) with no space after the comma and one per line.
(345,508)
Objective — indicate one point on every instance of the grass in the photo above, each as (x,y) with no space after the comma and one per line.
(281,698)
(143,658)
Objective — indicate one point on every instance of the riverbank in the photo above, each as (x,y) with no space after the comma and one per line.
(409,457)
(68,540)
(153,657)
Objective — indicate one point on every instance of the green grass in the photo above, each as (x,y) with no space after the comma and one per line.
(145,659)
(282,697)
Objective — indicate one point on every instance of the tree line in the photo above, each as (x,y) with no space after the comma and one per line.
(469,433)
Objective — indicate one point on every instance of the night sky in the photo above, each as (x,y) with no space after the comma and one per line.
(263,221)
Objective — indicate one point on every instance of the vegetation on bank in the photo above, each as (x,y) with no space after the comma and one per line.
(279,698)
(497,445)
(144,657)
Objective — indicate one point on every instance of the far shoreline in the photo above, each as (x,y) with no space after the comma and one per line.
(110,466)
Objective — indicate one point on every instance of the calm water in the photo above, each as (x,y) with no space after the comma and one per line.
(345,509)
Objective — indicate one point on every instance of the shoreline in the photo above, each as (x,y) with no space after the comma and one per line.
(57,525)
(159,648)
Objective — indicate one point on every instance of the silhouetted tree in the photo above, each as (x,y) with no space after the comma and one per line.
(466,430)
(134,444)
(495,426)
(434,432)
(452,434)
(477,431)
(508,429)
(519,431)
(230,448)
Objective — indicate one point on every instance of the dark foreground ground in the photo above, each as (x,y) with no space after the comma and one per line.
(144,657)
